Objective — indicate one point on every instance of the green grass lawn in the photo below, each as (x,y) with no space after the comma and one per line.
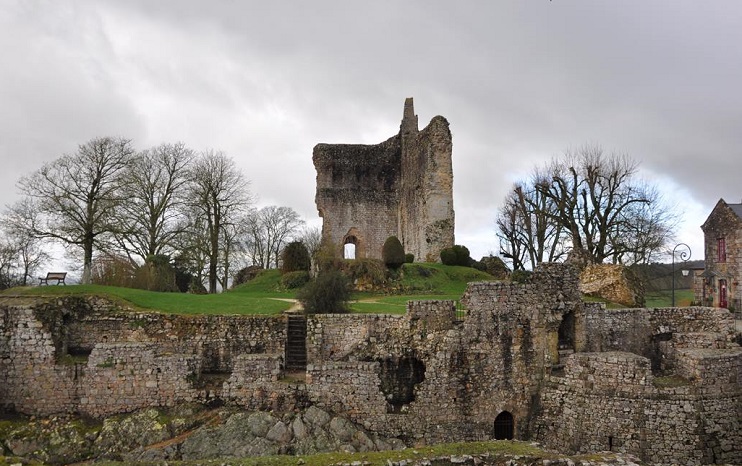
(663,298)
(238,301)
(264,295)
(420,281)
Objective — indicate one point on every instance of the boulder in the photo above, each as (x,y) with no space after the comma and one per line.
(612,282)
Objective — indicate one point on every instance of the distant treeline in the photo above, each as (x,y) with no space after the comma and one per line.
(657,277)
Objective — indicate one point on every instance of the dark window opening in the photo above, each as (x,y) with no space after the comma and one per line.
(504,426)
(610,443)
(655,352)
(567,331)
(399,377)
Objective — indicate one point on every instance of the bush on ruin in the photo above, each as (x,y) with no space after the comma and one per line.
(329,293)
(392,253)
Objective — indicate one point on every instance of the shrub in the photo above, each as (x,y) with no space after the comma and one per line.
(113,271)
(494,266)
(369,271)
(392,253)
(157,274)
(521,276)
(326,257)
(295,257)
(327,294)
(184,272)
(293,280)
(409,258)
(456,255)
(448,256)
(462,255)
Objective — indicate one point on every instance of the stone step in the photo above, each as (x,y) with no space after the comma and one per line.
(296,343)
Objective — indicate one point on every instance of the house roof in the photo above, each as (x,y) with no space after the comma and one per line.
(714,273)
(737,209)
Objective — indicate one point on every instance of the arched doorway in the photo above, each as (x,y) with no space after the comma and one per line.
(504,426)
(723,300)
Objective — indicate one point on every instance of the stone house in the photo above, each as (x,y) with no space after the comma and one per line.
(721,278)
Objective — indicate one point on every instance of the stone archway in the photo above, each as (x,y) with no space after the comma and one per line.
(349,248)
(504,426)
(353,245)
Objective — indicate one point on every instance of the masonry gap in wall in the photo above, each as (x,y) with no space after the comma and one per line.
(399,376)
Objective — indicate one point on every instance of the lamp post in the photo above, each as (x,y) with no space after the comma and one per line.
(685,253)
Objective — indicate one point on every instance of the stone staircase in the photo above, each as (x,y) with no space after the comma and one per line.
(296,343)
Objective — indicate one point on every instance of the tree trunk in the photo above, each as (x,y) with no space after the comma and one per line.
(87,267)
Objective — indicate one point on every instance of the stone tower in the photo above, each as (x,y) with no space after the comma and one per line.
(401,187)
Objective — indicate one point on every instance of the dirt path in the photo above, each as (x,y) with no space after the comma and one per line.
(295,306)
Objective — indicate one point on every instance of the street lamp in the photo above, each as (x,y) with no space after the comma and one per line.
(685,253)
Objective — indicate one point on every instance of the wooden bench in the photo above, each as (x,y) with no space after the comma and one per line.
(58,276)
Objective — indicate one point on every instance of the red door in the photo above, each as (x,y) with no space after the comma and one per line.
(723,293)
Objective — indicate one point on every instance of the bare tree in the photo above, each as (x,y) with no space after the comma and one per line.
(312,239)
(591,202)
(21,241)
(151,217)
(77,194)
(268,230)
(528,235)
(231,248)
(218,193)
(8,265)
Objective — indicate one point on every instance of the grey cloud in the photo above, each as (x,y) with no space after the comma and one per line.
(518,81)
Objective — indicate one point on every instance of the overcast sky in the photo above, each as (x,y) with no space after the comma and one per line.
(519,81)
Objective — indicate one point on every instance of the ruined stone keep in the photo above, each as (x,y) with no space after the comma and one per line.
(527,361)
(401,187)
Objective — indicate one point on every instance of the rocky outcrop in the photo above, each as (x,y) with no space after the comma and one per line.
(188,432)
(615,283)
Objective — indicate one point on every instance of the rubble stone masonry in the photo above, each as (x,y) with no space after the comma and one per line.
(662,384)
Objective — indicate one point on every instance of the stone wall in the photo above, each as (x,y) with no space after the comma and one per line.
(660,383)
(402,187)
(85,355)
(639,330)
(611,401)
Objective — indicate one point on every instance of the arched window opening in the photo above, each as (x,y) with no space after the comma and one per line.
(349,248)
(349,251)
(504,426)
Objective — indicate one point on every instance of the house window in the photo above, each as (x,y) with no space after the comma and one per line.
(721,249)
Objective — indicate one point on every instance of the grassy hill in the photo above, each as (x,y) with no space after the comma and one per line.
(265,296)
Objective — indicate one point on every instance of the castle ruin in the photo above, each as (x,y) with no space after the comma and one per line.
(401,187)
(527,361)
